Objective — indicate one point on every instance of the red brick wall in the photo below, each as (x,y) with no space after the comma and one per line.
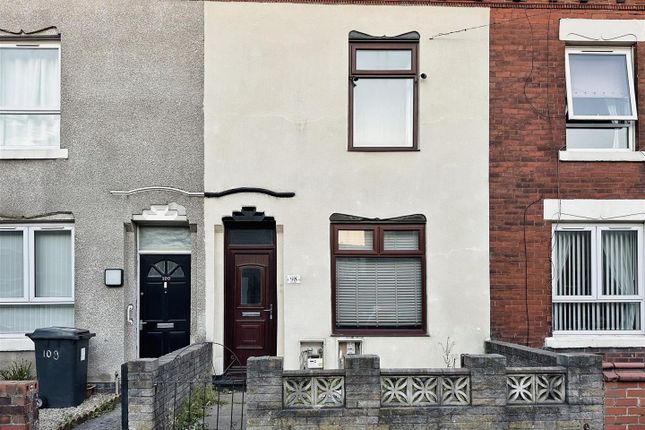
(624,405)
(18,410)
(527,129)
(571,4)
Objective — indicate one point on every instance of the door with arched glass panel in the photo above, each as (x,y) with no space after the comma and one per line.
(165,304)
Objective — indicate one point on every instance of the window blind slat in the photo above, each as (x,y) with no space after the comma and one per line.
(400,240)
(378,292)
(26,318)
(53,263)
(11,265)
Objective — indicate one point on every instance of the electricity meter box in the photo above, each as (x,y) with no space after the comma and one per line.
(348,347)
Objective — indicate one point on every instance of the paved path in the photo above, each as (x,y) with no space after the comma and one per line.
(109,421)
(223,419)
(215,419)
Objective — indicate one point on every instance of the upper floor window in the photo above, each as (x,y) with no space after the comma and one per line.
(29,95)
(601,98)
(598,279)
(378,278)
(383,92)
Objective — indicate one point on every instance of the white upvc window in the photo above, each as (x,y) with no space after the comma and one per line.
(36,277)
(597,279)
(601,99)
(30,94)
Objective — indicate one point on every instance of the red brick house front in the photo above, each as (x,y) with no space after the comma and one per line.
(567,175)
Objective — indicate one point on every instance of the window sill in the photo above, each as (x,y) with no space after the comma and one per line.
(598,341)
(35,154)
(382,149)
(631,156)
(15,342)
(384,333)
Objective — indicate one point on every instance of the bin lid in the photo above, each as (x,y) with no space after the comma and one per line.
(66,333)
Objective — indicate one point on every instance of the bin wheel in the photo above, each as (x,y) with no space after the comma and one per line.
(41,402)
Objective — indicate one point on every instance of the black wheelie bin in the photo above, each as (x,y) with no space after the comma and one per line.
(61,364)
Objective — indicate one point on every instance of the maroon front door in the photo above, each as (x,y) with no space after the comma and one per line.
(251,312)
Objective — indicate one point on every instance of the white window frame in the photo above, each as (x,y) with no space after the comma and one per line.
(596,230)
(604,51)
(29,265)
(592,121)
(34,151)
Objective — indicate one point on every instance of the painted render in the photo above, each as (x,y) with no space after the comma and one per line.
(131,116)
(275,116)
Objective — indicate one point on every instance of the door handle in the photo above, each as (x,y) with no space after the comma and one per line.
(128,312)
(270,311)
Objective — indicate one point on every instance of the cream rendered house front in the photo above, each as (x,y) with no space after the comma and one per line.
(341,244)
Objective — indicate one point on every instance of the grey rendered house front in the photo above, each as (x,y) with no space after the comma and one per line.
(101,143)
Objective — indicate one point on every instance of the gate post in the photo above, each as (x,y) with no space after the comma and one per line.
(263,392)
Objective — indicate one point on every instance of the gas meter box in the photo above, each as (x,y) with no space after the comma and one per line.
(61,364)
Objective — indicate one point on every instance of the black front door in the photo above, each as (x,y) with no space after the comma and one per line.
(165,304)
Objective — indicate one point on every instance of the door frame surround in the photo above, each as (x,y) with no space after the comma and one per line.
(248,218)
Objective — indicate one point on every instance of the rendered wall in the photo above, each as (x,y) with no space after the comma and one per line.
(131,116)
(275,107)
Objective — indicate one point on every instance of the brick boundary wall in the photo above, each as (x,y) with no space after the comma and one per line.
(488,407)
(157,387)
(18,408)
(624,396)
(519,355)
(614,355)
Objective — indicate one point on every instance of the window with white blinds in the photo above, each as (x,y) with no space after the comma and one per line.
(36,277)
(378,278)
(597,279)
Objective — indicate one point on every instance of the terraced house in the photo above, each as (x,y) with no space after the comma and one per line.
(341,194)
(566,185)
(97,98)
(347,205)
(320,180)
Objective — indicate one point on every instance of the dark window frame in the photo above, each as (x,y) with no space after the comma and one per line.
(379,252)
(384,45)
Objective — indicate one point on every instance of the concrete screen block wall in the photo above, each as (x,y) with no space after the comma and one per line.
(479,395)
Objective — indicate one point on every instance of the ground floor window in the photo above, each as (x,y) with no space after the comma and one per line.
(378,278)
(36,277)
(597,279)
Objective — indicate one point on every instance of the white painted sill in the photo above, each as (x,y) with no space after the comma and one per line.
(610,341)
(15,342)
(631,156)
(32,154)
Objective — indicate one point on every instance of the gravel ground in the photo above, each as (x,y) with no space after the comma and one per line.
(52,418)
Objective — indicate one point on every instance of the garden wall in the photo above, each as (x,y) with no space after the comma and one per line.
(484,393)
